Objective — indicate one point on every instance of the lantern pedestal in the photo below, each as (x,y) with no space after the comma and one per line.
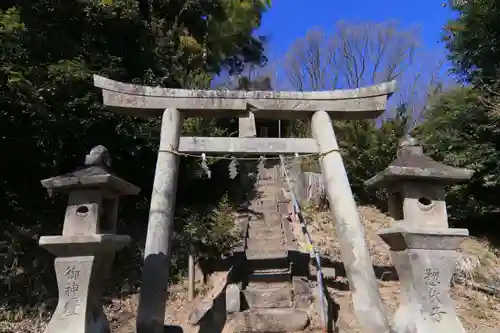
(81,266)
(425,260)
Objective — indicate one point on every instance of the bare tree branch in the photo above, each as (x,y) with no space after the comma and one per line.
(491,100)
(356,55)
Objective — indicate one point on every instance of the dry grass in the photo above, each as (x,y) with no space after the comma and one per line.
(479,265)
(479,262)
(324,236)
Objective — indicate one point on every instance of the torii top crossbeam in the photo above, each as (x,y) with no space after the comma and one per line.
(143,101)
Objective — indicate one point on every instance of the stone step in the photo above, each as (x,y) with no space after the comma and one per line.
(254,217)
(302,292)
(267,203)
(265,233)
(267,285)
(273,217)
(264,222)
(265,209)
(259,225)
(266,181)
(266,228)
(269,297)
(269,320)
(267,254)
(257,243)
(264,184)
(258,219)
(270,251)
(270,193)
(269,275)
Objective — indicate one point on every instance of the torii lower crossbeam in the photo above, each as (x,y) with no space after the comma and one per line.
(249,146)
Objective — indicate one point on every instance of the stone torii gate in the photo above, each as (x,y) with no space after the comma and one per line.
(175,104)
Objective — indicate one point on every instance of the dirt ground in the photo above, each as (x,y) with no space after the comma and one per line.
(479,266)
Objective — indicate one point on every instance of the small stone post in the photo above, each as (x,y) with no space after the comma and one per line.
(85,251)
(423,247)
(191,273)
(368,305)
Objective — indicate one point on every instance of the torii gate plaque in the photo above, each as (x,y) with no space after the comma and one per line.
(175,104)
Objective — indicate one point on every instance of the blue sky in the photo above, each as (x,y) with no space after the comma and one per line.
(290,19)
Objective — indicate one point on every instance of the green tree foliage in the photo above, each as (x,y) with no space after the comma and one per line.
(472,40)
(460,131)
(367,148)
(461,126)
(51,115)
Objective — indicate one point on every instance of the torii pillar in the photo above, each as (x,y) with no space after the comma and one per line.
(174,104)
(155,271)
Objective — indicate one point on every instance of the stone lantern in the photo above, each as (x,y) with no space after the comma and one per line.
(423,247)
(85,250)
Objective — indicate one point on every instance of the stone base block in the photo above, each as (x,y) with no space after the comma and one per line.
(233,300)
(270,275)
(253,243)
(302,292)
(425,260)
(269,297)
(269,320)
(262,233)
(79,309)
(412,318)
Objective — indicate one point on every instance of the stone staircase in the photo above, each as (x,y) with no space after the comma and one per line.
(272,293)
